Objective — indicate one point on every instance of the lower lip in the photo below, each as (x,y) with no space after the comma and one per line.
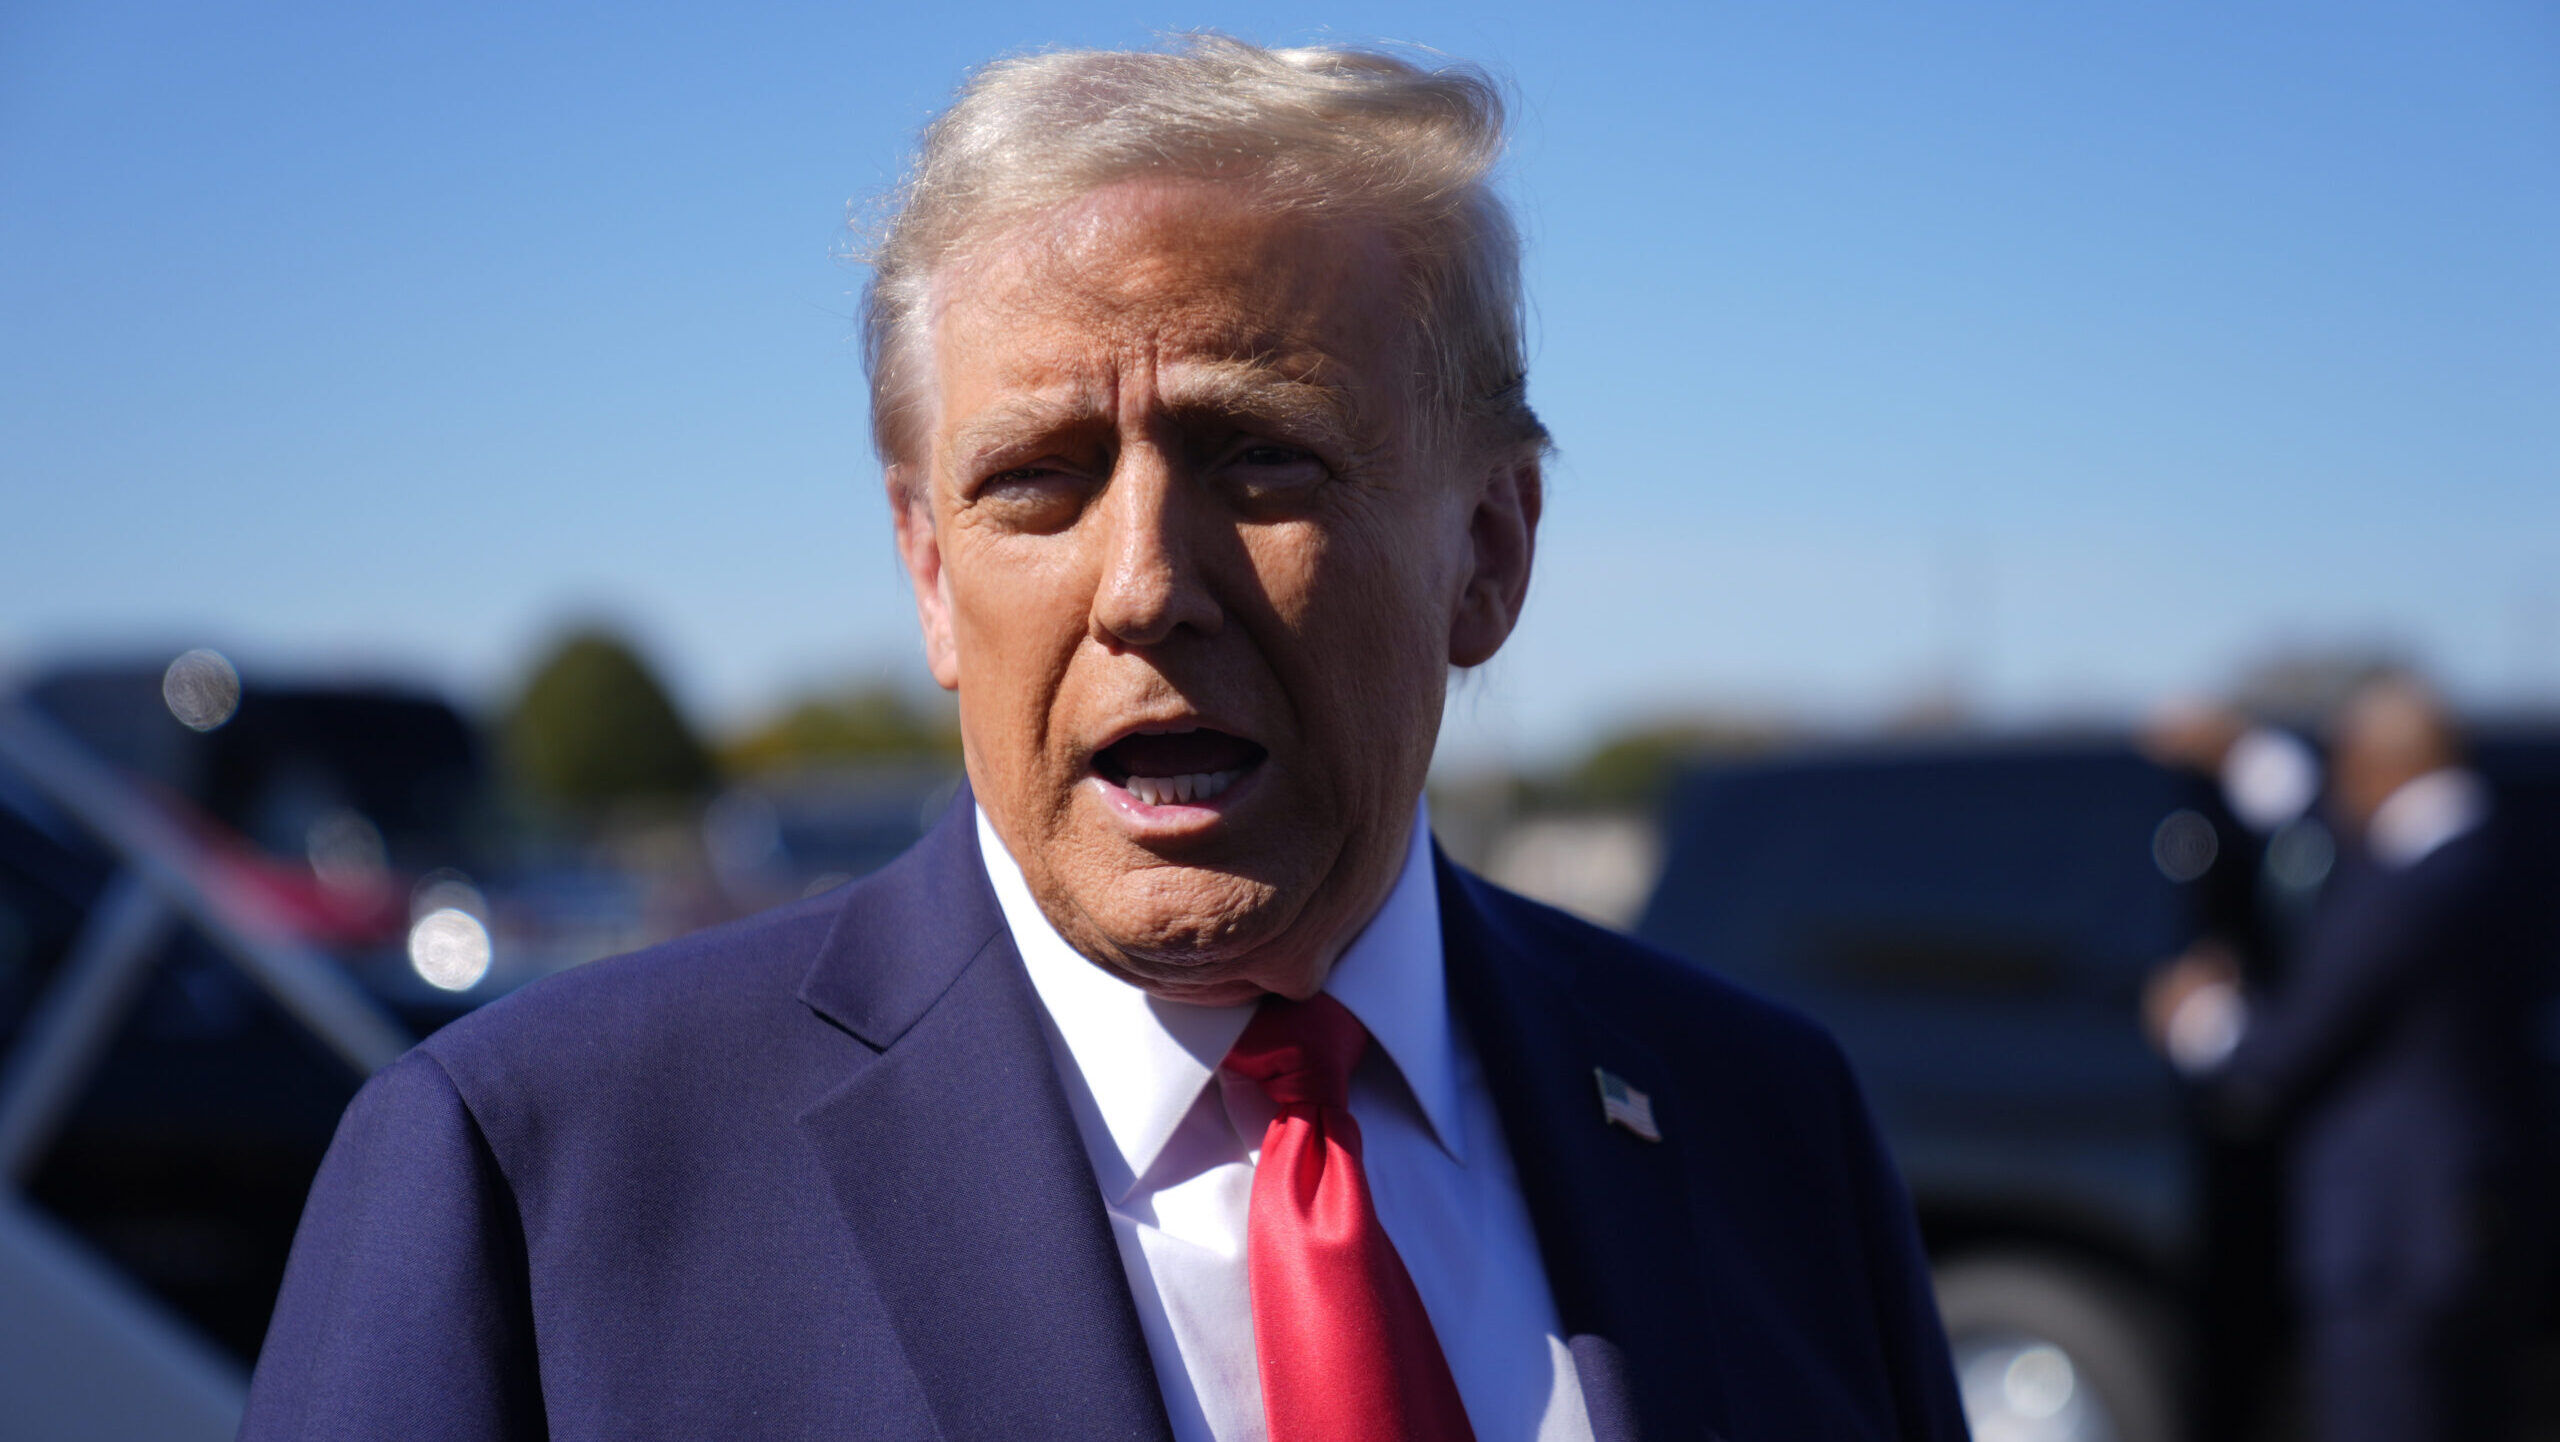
(1182,817)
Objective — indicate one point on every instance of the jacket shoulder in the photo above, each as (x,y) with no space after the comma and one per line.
(661,993)
(1680,1009)
(669,1032)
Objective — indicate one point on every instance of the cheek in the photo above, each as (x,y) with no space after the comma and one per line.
(1019,611)
(1362,610)
(1393,567)
(1384,547)
(1014,594)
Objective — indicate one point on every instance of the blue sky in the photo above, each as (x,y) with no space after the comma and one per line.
(2080,352)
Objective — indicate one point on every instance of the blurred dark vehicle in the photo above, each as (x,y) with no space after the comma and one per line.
(304,815)
(222,906)
(286,760)
(174,1050)
(1975,924)
(323,807)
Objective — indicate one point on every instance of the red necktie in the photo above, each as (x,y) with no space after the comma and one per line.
(1347,1353)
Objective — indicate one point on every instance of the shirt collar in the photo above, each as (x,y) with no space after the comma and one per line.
(1393,978)
(1145,1060)
(2424,814)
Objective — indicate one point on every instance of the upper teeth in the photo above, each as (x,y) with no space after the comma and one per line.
(1180,790)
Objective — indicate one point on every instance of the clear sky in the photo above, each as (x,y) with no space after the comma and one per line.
(2079,352)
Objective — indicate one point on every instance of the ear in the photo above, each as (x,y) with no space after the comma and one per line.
(911,511)
(1502,536)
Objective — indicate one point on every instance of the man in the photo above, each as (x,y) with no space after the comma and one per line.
(2262,780)
(2396,1061)
(1174,1086)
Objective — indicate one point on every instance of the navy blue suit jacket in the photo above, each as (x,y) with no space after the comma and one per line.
(2398,1056)
(814,1175)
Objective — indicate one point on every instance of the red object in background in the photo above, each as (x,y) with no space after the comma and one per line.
(273,893)
(326,913)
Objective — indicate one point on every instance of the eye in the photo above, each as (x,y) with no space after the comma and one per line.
(1274,470)
(1040,497)
(1018,476)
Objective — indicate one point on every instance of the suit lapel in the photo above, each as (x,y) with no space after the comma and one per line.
(1611,1210)
(957,1165)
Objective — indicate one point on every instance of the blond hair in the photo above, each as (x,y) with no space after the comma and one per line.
(1337,132)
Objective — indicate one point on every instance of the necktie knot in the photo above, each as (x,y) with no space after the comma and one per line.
(1302,1052)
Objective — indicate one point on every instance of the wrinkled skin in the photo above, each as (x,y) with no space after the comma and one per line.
(1173,484)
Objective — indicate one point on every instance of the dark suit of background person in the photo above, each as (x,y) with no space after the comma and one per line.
(812,1175)
(2395,1060)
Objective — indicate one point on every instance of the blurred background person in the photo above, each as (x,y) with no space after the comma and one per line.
(2259,779)
(2393,1059)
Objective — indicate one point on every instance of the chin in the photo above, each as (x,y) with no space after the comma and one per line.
(1196,913)
(1191,916)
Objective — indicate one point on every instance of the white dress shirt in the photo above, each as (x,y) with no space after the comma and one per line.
(2423,814)
(1174,1141)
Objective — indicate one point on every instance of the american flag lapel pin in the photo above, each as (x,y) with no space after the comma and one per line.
(1624,1106)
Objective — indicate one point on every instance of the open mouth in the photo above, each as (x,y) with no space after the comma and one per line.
(1177,768)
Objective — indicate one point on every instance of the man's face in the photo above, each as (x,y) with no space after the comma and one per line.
(2385,739)
(1195,589)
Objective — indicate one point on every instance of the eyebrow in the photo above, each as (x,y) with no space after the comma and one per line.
(1007,421)
(1245,389)
(1257,390)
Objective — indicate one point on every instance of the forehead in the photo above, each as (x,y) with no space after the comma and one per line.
(1158,277)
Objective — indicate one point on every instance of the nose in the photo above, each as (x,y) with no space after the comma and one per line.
(1152,585)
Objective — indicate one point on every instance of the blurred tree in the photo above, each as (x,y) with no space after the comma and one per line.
(878,722)
(594,730)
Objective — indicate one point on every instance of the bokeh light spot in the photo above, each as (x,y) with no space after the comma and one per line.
(449,948)
(2300,856)
(201,688)
(2184,845)
(345,849)
(2038,1383)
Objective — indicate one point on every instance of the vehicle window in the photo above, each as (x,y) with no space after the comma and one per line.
(1995,873)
